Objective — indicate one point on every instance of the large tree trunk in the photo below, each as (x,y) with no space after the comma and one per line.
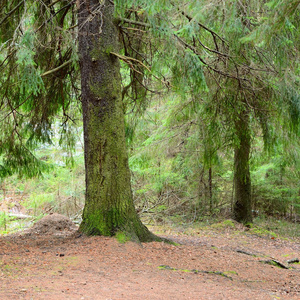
(109,204)
(242,210)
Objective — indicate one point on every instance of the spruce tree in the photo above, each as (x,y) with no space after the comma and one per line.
(40,78)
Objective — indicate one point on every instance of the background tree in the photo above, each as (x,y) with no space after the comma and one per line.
(241,77)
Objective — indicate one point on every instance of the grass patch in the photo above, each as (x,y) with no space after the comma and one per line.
(278,227)
(264,227)
(263,232)
(226,224)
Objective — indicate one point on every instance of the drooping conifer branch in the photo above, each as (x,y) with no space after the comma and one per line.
(213,33)
(66,7)
(127,59)
(11,12)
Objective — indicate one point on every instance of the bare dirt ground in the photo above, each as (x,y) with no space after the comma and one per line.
(52,261)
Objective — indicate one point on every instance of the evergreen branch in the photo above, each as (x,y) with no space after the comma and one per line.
(56,69)
(127,59)
(214,34)
(53,3)
(211,50)
(207,65)
(7,57)
(134,29)
(131,58)
(189,46)
(67,7)
(15,108)
(262,56)
(135,22)
(72,27)
(149,25)
(11,12)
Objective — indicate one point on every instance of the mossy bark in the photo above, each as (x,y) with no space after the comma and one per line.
(109,204)
(242,209)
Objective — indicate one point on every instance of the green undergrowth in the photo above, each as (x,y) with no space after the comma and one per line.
(261,227)
(60,191)
(11,224)
(278,227)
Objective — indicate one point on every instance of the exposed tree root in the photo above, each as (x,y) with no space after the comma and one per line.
(275,263)
(166,267)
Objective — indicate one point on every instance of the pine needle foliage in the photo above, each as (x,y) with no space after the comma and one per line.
(38,80)
(231,69)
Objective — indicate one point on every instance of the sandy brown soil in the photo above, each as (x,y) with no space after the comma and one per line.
(52,261)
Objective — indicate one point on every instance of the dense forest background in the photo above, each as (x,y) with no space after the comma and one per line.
(205,82)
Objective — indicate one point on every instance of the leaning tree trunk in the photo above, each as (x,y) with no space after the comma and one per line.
(242,184)
(109,204)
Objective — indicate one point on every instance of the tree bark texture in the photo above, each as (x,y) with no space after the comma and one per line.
(109,204)
(242,209)
(210,190)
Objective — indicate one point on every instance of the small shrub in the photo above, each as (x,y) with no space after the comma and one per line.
(3,220)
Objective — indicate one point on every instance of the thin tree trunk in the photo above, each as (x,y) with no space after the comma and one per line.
(242,209)
(109,204)
(210,190)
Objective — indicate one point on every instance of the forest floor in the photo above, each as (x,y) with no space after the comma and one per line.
(53,261)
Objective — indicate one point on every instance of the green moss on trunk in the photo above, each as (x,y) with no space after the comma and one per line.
(109,204)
